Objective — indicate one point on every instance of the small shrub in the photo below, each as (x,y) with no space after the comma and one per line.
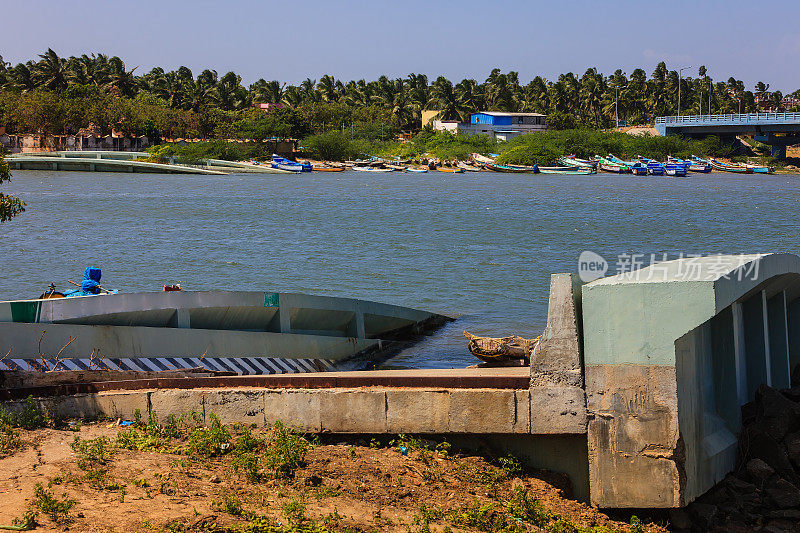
(30,417)
(295,513)
(9,439)
(230,505)
(57,510)
(211,441)
(286,451)
(27,522)
(92,453)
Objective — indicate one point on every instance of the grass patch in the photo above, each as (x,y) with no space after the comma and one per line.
(286,451)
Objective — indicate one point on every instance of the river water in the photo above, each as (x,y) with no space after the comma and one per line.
(479,245)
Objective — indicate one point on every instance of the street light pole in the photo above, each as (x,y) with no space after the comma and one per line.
(680,78)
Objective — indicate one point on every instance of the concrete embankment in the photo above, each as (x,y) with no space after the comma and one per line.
(132,162)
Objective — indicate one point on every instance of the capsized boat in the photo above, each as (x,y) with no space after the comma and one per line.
(253,332)
(287,164)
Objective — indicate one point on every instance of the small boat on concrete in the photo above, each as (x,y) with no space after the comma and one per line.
(282,163)
(252,332)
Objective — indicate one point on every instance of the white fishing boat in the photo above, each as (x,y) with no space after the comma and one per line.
(252,332)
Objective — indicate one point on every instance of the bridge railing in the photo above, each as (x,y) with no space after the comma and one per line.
(737,118)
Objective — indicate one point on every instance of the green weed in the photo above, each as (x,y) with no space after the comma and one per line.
(285,451)
(9,439)
(209,442)
(46,502)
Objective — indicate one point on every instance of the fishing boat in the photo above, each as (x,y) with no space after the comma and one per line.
(373,169)
(605,165)
(468,168)
(573,171)
(654,168)
(416,170)
(453,170)
(327,169)
(282,163)
(718,165)
(252,332)
(482,159)
(637,168)
(674,169)
(511,168)
(571,160)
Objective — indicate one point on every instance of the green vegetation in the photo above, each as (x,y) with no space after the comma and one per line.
(194,152)
(9,439)
(31,416)
(53,94)
(545,148)
(10,206)
(56,509)
(286,451)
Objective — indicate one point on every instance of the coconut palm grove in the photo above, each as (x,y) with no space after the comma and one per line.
(54,94)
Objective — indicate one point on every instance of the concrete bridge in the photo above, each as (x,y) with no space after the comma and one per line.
(635,391)
(776,129)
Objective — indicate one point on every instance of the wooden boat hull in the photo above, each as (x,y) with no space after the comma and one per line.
(328,169)
(450,170)
(504,168)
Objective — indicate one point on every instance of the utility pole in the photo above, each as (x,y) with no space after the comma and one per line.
(680,78)
(616,107)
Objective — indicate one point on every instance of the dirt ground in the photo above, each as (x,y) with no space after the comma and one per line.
(351,485)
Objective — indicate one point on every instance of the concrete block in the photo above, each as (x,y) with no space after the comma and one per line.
(486,411)
(416,411)
(636,456)
(557,358)
(557,410)
(298,409)
(353,411)
(177,402)
(104,404)
(231,406)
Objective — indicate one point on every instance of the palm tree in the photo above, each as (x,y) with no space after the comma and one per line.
(230,92)
(591,94)
(120,80)
(308,90)
(51,71)
(470,95)
(328,87)
(20,77)
(445,99)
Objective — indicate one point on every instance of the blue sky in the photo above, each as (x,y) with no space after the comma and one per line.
(357,39)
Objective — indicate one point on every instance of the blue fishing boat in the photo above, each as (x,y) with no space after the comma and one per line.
(654,168)
(282,163)
(571,161)
(674,169)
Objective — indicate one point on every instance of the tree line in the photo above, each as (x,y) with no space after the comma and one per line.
(53,94)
